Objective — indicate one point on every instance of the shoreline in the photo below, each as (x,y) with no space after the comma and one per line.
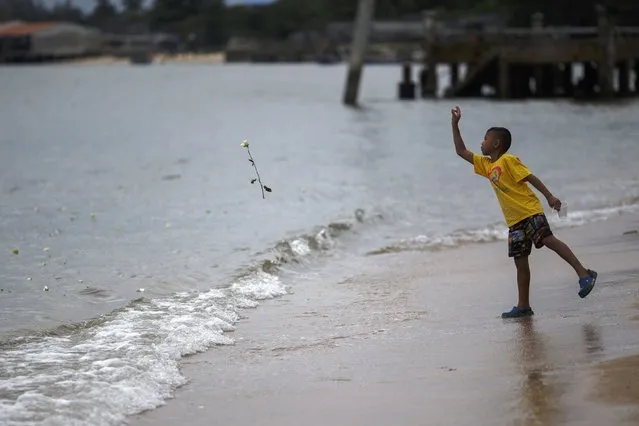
(159,59)
(405,336)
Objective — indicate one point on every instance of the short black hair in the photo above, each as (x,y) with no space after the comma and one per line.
(504,136)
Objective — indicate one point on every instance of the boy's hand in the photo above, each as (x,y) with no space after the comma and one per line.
(456,115)
(554,202)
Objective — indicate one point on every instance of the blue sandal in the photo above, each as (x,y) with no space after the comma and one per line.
(586,284)
(518,313)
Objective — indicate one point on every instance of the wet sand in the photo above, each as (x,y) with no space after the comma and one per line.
(417,339)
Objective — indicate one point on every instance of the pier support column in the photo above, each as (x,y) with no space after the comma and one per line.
(557,80)
(428,81)
(606,63)
(406,87)
(537,26)
(624,78)
(519,81)
(428,77)
(454,74)
(566,80)
(586,85)
(423,79)
(358,49)
(545,81)
(504,78)
(636,79)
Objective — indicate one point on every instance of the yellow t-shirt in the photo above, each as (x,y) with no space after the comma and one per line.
(506,176)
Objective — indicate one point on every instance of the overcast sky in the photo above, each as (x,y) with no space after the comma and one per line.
(89,4)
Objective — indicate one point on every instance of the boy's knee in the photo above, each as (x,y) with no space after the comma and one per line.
(521,262)
(550,241)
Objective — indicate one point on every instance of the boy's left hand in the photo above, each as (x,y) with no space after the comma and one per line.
(554,202)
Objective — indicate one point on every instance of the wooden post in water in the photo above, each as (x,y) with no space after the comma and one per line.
(454,74)
(590,79)
(606,64)
(567,86)
(624,78)
(503,91)
(406,87)
(359,44)
(537,26)
(429,80)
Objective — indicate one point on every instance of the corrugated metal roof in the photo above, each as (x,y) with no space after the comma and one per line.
(24,28)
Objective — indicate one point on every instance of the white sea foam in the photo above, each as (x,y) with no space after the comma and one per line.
(123,364)
(500,232)
(128,361)
(300,247)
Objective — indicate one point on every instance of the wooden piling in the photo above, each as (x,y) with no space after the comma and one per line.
(503,90)
(567,88)
(359,45)
(454,74)
(429,78)
(406,87)
(590,78)
(423,80)
(550,81)
(519,81)
(624,78)
(557,79)
(537,26)
(430,81)
(606,63)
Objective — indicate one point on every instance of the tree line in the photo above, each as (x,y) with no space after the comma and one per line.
(212,22)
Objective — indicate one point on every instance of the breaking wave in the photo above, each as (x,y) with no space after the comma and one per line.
(496,232)
(99,371)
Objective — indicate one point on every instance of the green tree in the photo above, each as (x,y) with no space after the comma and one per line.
(104,15)
(201,22)
(215,30)
(68,12)
(27,10)
(305,15)
(132,6)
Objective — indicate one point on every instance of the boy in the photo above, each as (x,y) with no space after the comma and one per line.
(524,214)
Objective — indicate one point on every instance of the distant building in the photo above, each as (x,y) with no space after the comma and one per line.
(42,41)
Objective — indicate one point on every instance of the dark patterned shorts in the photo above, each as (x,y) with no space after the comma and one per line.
(522,235)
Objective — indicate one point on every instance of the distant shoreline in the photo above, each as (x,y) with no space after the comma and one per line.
(186,58)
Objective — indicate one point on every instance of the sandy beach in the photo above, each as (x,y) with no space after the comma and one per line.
(417,340)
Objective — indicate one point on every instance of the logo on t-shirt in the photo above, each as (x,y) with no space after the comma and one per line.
(494,176)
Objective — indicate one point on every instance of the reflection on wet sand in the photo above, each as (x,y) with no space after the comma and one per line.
(538,402)
(592,339)
(541,389)
(618,381)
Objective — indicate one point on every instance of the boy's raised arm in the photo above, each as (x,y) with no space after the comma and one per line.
(460,147)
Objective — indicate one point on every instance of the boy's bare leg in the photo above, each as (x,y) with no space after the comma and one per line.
(566,254)
(523,282)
